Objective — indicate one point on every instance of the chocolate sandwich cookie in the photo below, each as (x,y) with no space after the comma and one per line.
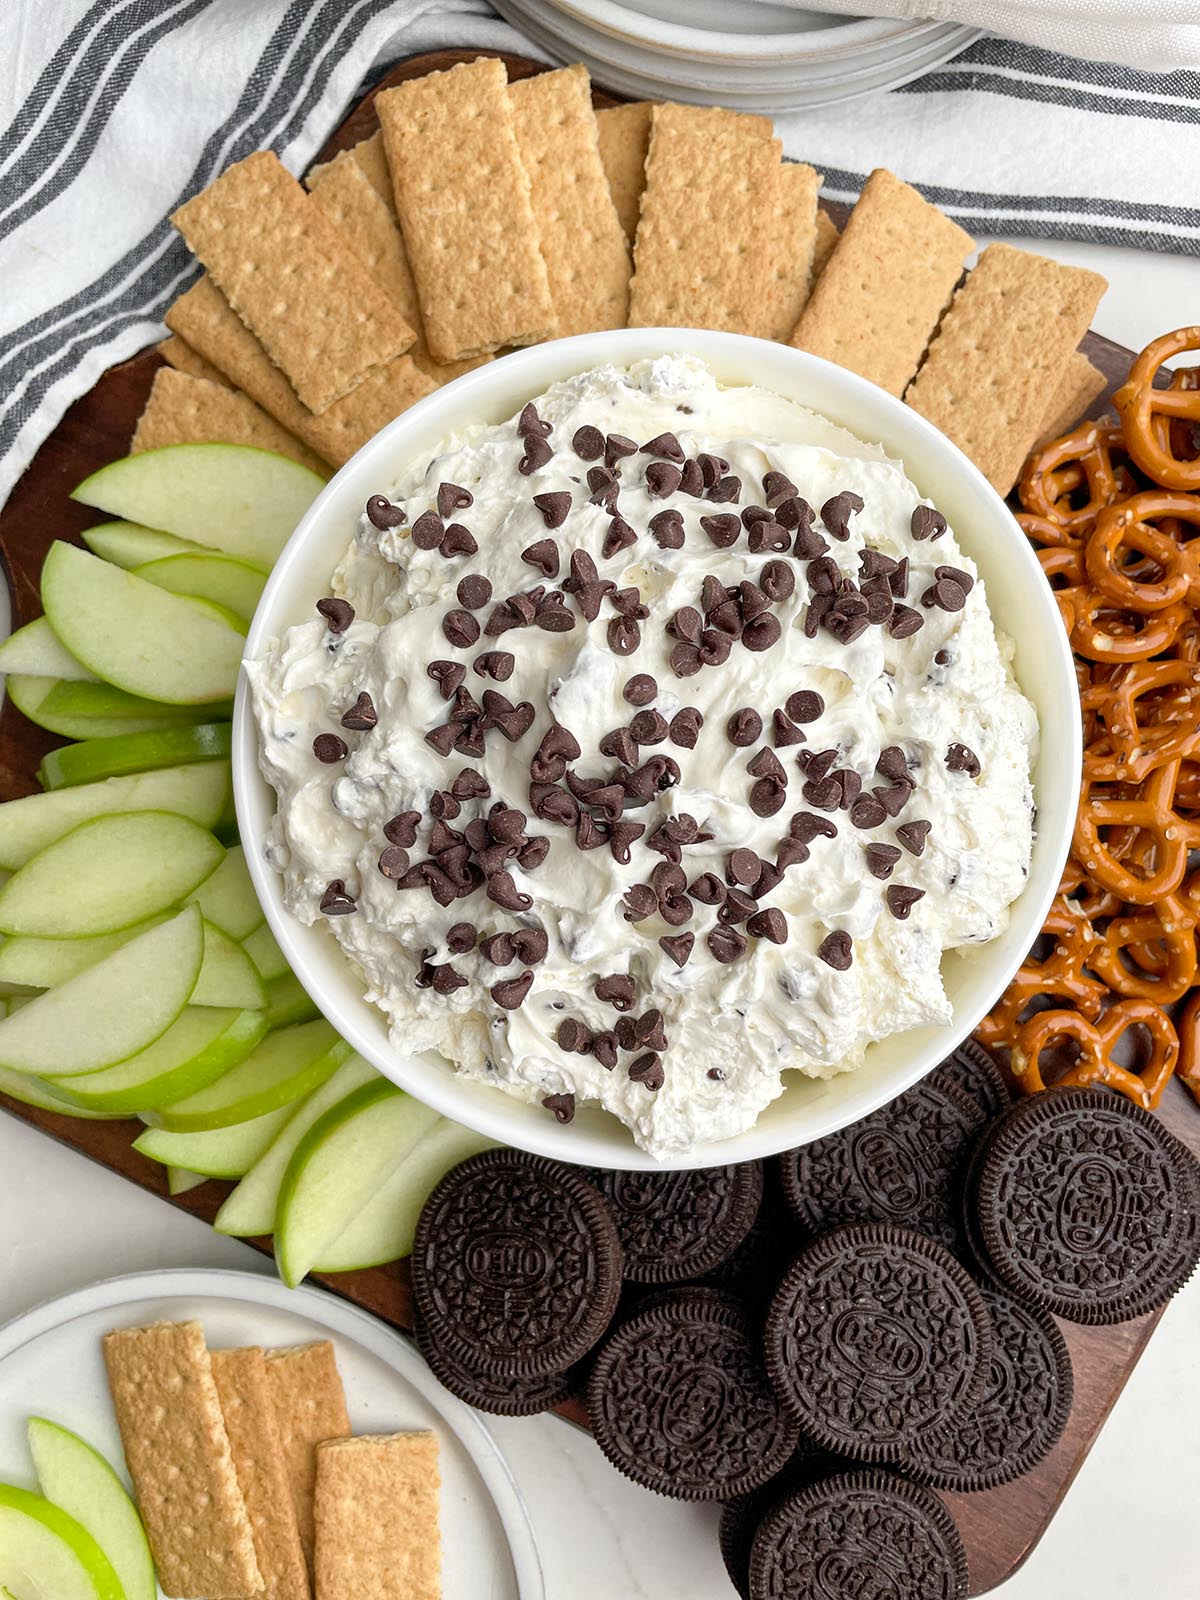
(679,1401)
(902,1164)
(1019,1417)
(876,1335)
(679,1225)
(857,1535)
(970,1067)
(740,1517)
(1087,1206)
(503,1397)
(753,1271)
(516,1265)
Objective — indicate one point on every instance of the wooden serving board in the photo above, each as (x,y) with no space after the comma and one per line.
(1001,1526)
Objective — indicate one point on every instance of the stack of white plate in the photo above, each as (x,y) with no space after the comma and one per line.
(739,53)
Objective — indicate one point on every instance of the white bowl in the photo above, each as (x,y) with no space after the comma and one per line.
(1020,600)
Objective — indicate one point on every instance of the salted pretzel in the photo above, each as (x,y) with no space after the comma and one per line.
(1141,718)
(1061,973)
(1147,413)
(1164,968)
(1149,809)
(1096,1043)
(1189,1044)
(1056,473)
(1129,525)
(1104,631)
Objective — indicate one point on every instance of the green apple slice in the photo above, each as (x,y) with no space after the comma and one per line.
(218,1153)
(341,1162)
(228,976)
(111,1011)
(136,636)
(384,1229)
(46,1555)
(288,1003)
(34,1092)
(129,545)
(43,963)
(107,874)
(97,759)
(198,1049)
(80,1482)
(241,501)
(227,899)
(36,651)
(282,1069)
(265,953)
(200,792)
(39,700)
(181,1181)
(250,1209)
(234,585)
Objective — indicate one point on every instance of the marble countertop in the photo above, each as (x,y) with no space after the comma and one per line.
(1126,1529)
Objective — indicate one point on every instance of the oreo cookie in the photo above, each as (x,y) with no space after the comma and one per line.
(860,1534)
(516,1266)
(1087,1206)
(1019,1417)
(875,1336)
(753,1271)
(680,1225)
(740,1517)
(970,1067)
(902,1164)
(502,1397)
(679,1401)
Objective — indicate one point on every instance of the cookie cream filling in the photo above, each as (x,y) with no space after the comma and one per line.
(649,746)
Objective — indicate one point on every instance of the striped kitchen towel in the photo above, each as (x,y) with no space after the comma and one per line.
(115,111)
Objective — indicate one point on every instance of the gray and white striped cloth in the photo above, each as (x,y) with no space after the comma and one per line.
(115,111)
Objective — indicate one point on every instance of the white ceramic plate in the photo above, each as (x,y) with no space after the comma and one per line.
(51,1366)
(742,32)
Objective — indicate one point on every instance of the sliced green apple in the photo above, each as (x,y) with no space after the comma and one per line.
(198,1049)
(108,874)
(200,792)
(43,963)
(235,585)
(36,651)
(136,636)
(46,1555)
(228,976)
(236,499)
(263,950)
(96,759)
(111,1011)
(80,1482)
(227,899)
(35,1092)
(250,1209)
(129,545)
(285,1067)
(217,1153)
(181,1181)
(342,1161)
(39,699)
(288,1003)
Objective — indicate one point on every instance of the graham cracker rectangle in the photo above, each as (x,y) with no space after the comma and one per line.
(186,410)
(206,320)
(1078,386)
(292,279)
(827,235)
(377,1518)
(704,265)
(371,157)
(1000,351)
(180,1461)
(794,239)
(582,241)
(179,353)
(462,196)
(879,298)
(624,134)
(348,198)
(310,1408)
(241,1379)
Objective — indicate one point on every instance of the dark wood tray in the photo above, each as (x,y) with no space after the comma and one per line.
(1000,1526)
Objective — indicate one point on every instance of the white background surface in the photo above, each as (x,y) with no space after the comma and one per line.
(1127,1528)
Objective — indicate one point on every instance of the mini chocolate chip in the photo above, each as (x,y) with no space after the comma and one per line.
(428,531)
(769,924)
(648,1071)
(616,447)
(338,614)
(640,902)
(943,658)
(668,879)
(604,487)
(619,745)
(769,535)
(498,949)
(743,866)
(335,902)
(561,1105)
(851,786)
(912,835)
(905,622)
(451,497)
(686,624)
(530,423)
(692,480)
(624,636)
(640,690)
(554,506)
(662,479)
(621,835)
(617,991)
(736,906)
(809,545)
(751,600)
(784,731)
(552,615)
(790,853)
(766,764)
(573,1036)
(649,727)
(474,591)
(588,443)
(458,541)
(362,716)
(393,861)
(723,529)
(767,796)
(461,937)
(537,453)
(665,445)
(649,1030)
(947,594)
(901,899)
(667,529)
(836,950)
(382,514)
(685,660)
(866,812)
(726,944)
(530,945)
(460,628)
(837,511)
(744,727)
(678,946)
(604,1048)
(881,859)
(708,889)
(328,747)
(959,758)
(402,829)
(777,580)
(448,675)
(777,486)
(725,491)
(685,727)
(503,892)
(544,556)
(495,664)
(927,523)
(762,632)
(618,536)
(898,580)
(510,992)
(892,762)
(533,852)
(446,979)
(625,1033)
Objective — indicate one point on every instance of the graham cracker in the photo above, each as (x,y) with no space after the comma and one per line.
(310,1408)
(206,320)
(624,134)
(827,235)
(1000,351)
(241,1379)
(292,279)
(179,1458)
(179,353)
(794,239)
(351,202)
(1079,384)
(879,298)
(463,199)
(704,266)
(582,241)
(371,157)
(186,410)
(377,1518)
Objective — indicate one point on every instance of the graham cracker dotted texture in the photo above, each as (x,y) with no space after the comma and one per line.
(179,1458)
(377,1519)
(879,298)
(795,239)
(310,1409)
(1080,384)
(704,265)
(186,410)
(624,134)
(827,236)
(582,241)
(241,1380)
(292,279)
(370,156)
(1001,349)
(183,358)
(463,199)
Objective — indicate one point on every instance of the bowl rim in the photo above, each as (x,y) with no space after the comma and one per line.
(486,394)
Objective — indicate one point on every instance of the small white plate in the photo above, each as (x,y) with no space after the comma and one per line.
(51,1366)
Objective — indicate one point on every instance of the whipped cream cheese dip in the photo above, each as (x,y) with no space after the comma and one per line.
(648,746)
